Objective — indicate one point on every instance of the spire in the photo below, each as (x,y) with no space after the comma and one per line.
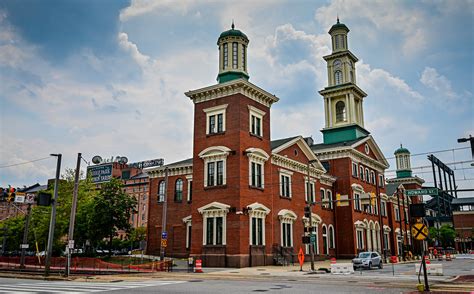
(232,26)
(338,18)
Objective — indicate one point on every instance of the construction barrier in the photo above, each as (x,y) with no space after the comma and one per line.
(431,269)
(342,268)
(448,257)
(393,259)
(198,267)
(333,260)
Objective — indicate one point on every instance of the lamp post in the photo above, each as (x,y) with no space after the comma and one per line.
(52,222)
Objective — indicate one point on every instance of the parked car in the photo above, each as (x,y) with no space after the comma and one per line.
(367,260)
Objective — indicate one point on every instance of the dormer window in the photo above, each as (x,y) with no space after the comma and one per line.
(340,111)
(338,77)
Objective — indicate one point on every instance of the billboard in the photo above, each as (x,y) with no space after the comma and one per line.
(100,173)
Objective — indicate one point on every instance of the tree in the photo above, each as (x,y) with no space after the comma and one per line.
(111,211)
(137,235)
(445,235)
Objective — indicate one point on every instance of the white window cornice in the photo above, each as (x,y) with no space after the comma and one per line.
(256,111)
(215,151)
(287,216)
(216,109)
(257,154)
(211,208)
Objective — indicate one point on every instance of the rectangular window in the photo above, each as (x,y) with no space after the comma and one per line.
(226,55)
(381,181)
(256,169)
(342,40)
(322,193)
(357,201)
(386,241)
(285,186)
(257,231)
(219,230)
(212,124)
(361,173)
(234,55)
(336,39)
(256,128)
(310,195)
(360,239)
(367,175)
(373,177)
(383,207)
(190,190)
(215,119)
(397,213)
(354,169)
(220,173)
(329,196)
(220,123)
(210,231)
(211,175)
(286,234)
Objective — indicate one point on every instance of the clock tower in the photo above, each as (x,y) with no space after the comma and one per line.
(343,99)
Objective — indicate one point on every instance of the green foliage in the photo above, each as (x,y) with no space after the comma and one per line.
(445,235)
(112,209)
(14,230)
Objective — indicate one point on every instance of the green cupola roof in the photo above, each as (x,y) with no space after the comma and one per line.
(339,25)
(401,150)
(233,33)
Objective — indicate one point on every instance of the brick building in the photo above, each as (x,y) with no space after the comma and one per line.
(239,201)
(463,221)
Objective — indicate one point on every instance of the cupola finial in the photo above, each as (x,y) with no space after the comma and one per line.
(338,18)
(232,26)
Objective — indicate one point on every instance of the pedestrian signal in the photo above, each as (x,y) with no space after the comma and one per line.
(307,212)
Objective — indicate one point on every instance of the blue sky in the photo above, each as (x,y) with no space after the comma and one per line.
(108,77)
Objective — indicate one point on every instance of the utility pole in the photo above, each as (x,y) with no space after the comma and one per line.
(73,213)
(163,219)
(310,200)
(52,223)
(25,236)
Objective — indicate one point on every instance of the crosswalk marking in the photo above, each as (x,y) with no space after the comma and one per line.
(78,287)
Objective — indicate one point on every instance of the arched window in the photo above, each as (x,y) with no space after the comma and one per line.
(340,111)
(325,240)
(338,77)
(332,243)
(178,190)
(161,191)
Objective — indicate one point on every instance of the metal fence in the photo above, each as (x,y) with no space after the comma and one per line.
(80,265)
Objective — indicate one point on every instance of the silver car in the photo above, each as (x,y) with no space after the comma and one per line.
(367,260)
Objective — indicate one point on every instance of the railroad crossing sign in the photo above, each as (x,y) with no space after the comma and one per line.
(419,231)
(164,242)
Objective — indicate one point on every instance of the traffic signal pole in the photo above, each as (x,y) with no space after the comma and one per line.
(52,223)
(311,247)
(73,213)
(163,219)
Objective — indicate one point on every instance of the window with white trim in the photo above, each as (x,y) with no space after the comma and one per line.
(215,158)
(256,174)
(372,175)
(381,181)
(325,239)
(214,223)
(354,169)
(234,54)
(361,173)
(215,119)
(386,240)
(397,212)
(383,207)
(329,197)
(256,121)
(287,218)
(324,202)
(189,179)
(367,175)
(178,190)
(188,224)
(285,183)
(357,205)
(226,55)
(161,191)
(332,241)
(309,191)
(338,77)
(360,238)
(257,214)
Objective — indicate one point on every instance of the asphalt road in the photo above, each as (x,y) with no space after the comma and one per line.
(191,286)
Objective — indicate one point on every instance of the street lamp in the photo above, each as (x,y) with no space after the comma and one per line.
(471,140)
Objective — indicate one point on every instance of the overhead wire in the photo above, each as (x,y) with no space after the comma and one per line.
(22,163)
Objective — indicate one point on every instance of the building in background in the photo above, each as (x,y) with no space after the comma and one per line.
(463,220)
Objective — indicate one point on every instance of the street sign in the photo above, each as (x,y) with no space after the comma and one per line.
(426,191)
(419,231)
(313,238)
(24,246)
(71,244)
(301,257)
(164,235)
(164,243)
(19,199)
(100,173)
(30,198)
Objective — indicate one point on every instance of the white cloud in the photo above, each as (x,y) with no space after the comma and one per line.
(432,79)
(389,16)
(141,7)
(132,48)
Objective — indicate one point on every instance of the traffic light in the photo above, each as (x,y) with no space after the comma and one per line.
(11,194)
(307,212)
(372,199)
(338,199)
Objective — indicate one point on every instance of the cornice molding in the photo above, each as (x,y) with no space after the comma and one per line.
(239,86)
(354,155)
(294,165)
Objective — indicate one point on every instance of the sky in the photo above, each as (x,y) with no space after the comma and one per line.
(108,77)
